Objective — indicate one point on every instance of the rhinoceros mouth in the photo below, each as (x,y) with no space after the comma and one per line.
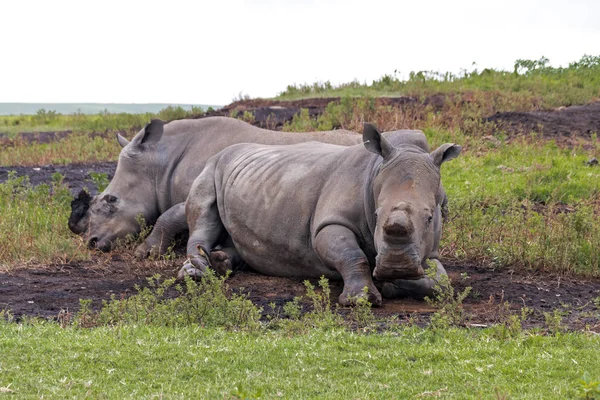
(398,265)
(79,207)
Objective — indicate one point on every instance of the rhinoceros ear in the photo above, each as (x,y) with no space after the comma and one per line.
(150,134)
(375,142)
(122,141)
(445,152)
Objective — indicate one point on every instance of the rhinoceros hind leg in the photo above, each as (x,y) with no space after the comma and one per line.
(204,224)
(415,288)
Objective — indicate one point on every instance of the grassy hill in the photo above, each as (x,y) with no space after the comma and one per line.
(532,84)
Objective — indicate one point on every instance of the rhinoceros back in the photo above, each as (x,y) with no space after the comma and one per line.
(267,197)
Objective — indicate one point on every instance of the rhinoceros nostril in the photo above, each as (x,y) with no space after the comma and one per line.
(397,229)
(92,243)
(398,225)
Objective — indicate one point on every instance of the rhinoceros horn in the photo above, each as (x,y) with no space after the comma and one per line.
(79,206)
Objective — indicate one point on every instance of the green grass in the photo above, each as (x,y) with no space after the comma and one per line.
(44,360)
(48,120)
(532,84)
(33,227)
(538,171)
(91,108)
(525,204)
(77,147)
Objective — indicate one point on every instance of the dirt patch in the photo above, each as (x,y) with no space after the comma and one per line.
(45,290)
(7,140)
(76,176)
(274,114)
(566,121)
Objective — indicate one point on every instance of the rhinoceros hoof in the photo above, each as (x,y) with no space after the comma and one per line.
(143,251)
(190,270)
(220,262)
(349,297)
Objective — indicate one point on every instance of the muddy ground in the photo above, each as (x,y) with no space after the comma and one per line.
(45,290)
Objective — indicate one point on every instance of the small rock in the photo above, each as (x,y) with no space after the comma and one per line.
(592,161)
(506,169)
(492,140)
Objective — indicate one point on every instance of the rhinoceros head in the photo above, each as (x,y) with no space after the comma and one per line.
(408,198)
(114,213)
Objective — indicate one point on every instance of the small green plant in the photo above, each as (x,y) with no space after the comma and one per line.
(6,316)
(322,314)
(145,229)
(85,317)
(301,122)
(241,393)
(293,309)
(361,313)
(511,325)
(553,321)
(448,303)
(589,389)
(205,302)
(248,117)
(100,179)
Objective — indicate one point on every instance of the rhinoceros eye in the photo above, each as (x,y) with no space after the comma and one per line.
(429,219)
(109,198)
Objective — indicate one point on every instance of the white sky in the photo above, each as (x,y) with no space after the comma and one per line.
(177,51)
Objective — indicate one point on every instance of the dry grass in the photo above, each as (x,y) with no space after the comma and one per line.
(77,147)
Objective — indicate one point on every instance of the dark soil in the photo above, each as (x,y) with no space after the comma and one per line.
(565,121)
(76,176)
(45,290)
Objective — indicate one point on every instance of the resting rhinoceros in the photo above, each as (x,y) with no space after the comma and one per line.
(155,172)
(316,209)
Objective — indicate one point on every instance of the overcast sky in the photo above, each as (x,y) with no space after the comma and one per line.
(207,52)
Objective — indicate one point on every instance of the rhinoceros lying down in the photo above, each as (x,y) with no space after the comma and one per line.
(317,209)
(155,172)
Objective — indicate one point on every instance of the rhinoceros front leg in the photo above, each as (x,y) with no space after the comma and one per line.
(204,223)
(338,249)
(415,288)
(167,226)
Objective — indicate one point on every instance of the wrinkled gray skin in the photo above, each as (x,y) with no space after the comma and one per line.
(155,172)
(316,209)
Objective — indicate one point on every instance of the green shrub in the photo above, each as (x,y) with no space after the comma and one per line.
(167,303)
